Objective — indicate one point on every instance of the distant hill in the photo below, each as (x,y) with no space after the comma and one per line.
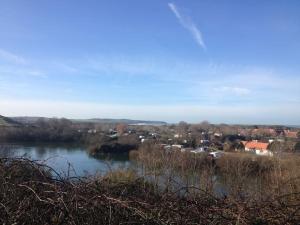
(125,121)
(28,120)
(8,122)
(32,120)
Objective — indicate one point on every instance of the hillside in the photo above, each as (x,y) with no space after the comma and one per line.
(7,122)
(28,120)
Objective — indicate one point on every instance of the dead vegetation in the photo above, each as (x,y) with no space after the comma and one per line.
(32,193)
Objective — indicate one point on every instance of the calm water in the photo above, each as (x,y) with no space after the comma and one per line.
(74,160)
(66,158)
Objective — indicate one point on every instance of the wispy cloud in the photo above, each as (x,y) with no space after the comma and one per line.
(23,71)
(233,90)
(206,84)
(11,57)
(65,67)
(15,65)
(188,24)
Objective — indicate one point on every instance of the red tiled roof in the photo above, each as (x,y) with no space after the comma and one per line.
(291,134)
(255,145)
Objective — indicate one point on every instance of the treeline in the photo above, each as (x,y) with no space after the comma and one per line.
(52,130)
(222,136)
(103,144)
(63,130)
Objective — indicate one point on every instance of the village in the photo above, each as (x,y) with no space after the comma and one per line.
(215,140)
(204,137)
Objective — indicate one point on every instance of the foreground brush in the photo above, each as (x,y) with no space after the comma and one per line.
(33,193)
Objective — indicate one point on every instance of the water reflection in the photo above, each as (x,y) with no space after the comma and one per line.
(66,159)
(74,160)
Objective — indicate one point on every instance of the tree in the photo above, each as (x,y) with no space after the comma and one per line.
(297,147)
(121,128)
(183,127)
(205,125)
(238,145)
(42,123)
(276,146)
(228,147)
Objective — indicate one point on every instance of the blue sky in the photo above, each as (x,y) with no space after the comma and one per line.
(222,61)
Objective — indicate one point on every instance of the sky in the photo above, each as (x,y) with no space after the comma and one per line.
(223,61)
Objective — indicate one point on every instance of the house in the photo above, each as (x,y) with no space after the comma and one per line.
(216,154)
(272,132)
(259,148)
(177,135)
(154,135)
(144,139)
(113,136)
(291,134)
(131,131)
(204,141)
(216,134)
(112,131)
(198,150)
(187,150)
(92,131)
(177,146)
(167,147)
